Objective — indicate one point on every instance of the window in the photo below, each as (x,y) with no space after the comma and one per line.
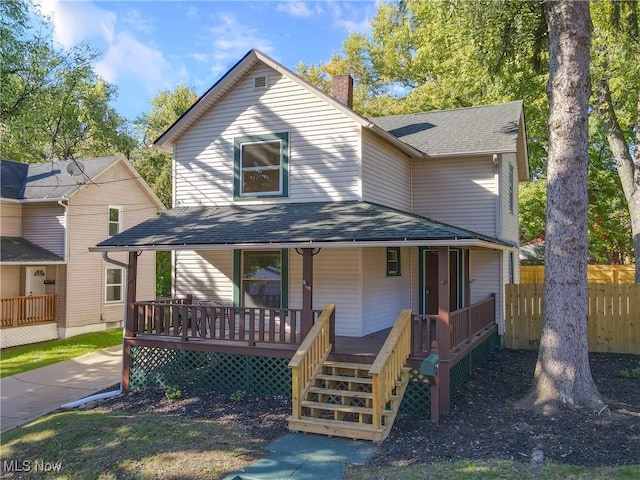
(510,188)
(458,279)
(393,262)
(114,285)
(261,165)
(261,278)
(115,220)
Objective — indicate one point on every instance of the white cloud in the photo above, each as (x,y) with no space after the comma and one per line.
(138,22)
(128,57)
(74,22)
(300,9)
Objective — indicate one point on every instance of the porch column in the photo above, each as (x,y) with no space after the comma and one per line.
(132,284)
(443,329)
(307,292)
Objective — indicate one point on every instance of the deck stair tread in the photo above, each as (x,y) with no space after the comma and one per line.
(338,402)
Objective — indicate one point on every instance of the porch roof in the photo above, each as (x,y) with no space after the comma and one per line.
(292,225)
(17,250)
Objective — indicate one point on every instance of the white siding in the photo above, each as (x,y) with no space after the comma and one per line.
(386,174)
(10,219)
(324,145)
(43,224)
(459,191)
(487,277)
(206,274)
(509,220)
(384,296)
(88,225)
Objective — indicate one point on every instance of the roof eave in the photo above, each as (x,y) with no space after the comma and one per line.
(469,243)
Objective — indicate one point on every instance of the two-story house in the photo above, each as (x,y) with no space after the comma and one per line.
(286,200)
(51,286)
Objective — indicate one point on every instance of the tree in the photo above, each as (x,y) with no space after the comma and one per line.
(53,104)
(562,374)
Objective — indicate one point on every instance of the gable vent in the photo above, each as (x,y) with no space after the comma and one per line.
(260,82)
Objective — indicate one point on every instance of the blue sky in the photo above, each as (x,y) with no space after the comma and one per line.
(148,46)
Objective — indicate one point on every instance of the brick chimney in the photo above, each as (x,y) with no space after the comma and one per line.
(342,89)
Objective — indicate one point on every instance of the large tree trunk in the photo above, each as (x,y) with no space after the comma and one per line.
(628,166)
(562,375)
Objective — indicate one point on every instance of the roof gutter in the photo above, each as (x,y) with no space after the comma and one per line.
(471,243)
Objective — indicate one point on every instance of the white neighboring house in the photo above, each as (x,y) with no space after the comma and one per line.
(51,286)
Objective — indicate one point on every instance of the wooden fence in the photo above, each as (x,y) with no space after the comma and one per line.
(613,323)
(595,273)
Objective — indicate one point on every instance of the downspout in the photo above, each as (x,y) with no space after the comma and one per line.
(105,257)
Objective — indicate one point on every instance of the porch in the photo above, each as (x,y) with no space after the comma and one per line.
(367,378)
(28,319)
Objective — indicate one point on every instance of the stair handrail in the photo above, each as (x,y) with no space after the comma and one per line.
(388,365)
(309,357)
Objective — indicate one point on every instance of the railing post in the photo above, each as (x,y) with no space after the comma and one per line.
(434,389)
(443,329)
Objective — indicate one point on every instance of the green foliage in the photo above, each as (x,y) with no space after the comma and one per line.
(173,393)
(630,373)
(53,104)
(163,273)
(237,396)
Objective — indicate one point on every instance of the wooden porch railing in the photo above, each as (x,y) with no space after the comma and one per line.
(310,356)
(388,365)
(211,321)
(20,311)
(468,322)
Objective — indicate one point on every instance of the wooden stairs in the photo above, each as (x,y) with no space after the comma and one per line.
(339,401)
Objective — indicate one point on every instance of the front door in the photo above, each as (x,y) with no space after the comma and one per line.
(35,277)
(430,283)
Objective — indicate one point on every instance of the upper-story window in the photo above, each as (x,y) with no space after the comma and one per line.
(115,220)
(510,188)
(261,165)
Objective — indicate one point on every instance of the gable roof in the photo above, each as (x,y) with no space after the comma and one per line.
(291,225)
(52,180)
(486,129)
(19,250)
(497,128)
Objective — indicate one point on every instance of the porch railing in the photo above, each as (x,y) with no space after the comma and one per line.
(212,321)
(467,322)
(20,311)
(388,365)
(309,357)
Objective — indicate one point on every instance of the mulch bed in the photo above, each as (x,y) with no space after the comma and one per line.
(482,424)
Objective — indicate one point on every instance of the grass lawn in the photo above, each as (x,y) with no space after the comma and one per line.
(490,470)
(103,445)
(20,359)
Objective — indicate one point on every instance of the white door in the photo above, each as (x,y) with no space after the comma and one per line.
(35,277)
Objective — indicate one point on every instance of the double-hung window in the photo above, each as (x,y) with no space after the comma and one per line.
(114,285)
(261,278)
(261,165)
(115,220)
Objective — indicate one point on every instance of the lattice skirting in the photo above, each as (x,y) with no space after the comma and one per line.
(227,373)
(192,371)
(41,332)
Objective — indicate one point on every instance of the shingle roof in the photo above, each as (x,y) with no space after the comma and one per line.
(17,249)
(51,179)
(287,223)
(490,128)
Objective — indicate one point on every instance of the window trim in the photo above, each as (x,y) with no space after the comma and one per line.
(120,211)
(391,272)
(121,285)
(238,142)
(238,257)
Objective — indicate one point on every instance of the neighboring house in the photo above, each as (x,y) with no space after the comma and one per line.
(285,197)
(51,286)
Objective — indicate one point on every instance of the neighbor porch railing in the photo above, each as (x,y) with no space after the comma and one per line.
(389,364)
(309,357)
(21,311)
(186,320)
(468,322)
